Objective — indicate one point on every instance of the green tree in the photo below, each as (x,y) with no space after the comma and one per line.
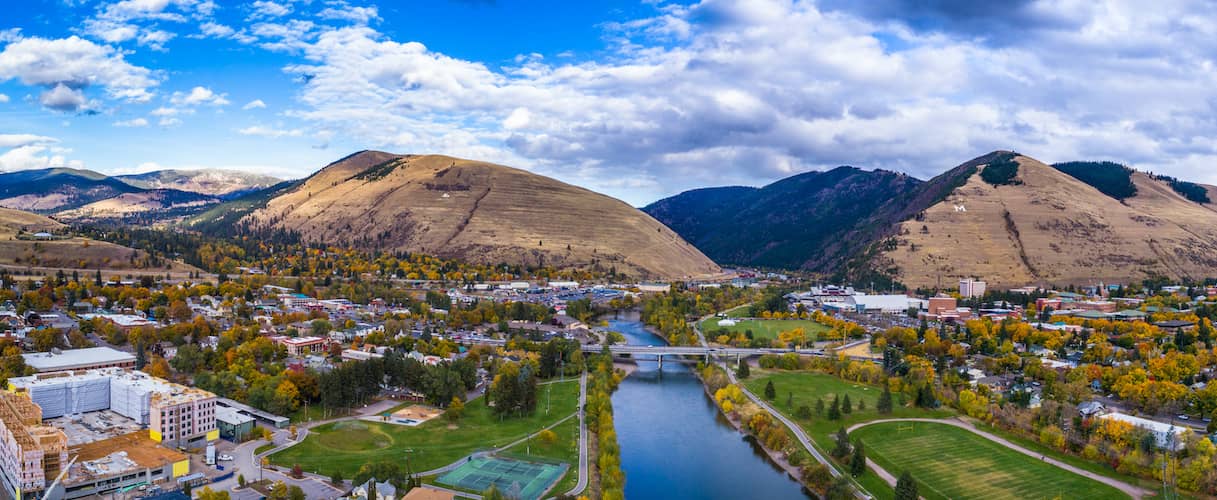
(742,371)
(336,478)
(790,400)
(295,493)
(834,410)
(241,480)
(770,391)
(819,406)
(841,450)
(803,413)
(493,493)
(455,409)
(906,487)
(840,489)
(857,462)
(884,406)
(847,406)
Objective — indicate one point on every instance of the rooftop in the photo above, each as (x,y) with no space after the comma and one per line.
(119,454)
(72,358)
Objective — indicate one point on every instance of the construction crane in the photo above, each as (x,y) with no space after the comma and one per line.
(63,472)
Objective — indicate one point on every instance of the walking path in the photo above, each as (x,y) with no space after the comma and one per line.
(799,434)
(583,475)
(1132,491)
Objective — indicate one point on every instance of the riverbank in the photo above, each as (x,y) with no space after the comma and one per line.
(776,457)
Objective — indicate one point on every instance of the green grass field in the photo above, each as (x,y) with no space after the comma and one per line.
(949,462)
(807,387)
(762,328)
(347,445)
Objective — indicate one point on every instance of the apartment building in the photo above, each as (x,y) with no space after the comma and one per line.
(30,453)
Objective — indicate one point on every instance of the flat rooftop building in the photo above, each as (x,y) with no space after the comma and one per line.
(79,359)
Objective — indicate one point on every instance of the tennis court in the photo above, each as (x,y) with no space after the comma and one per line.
(516,478)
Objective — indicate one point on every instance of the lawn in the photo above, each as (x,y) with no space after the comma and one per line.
(762,328)
(348,444)
(949,462)
(806,387)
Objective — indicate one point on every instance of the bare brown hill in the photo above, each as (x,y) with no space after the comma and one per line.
(1042,226)
(478,212)
(31,240)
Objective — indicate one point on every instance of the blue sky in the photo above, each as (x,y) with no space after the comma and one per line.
(638,99)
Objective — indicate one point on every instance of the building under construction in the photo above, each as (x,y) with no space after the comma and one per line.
(31,454)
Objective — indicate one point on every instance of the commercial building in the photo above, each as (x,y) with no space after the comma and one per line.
(298,346)
(233,425)
(970,288)
(79,359)
(175,414)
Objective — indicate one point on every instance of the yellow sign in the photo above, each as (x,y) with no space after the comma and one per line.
(213,435)
(155,435)
(181,468)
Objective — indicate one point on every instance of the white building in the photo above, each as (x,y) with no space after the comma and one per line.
(79,359)
(970,288)
(1165,435)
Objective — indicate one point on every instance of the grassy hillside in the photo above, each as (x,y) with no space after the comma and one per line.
(469,210)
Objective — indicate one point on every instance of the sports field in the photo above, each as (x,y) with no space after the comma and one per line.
(949,462)
(762,328)
(516,478)
(346,445)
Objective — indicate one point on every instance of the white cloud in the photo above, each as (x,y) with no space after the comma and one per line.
(63,98)
(35,156)
(198,96)
(3,98)
(726,92)
(136,122)
(68,66)
(169,121)
(358,15)
(16,140)
(155,39)
(167,111)
(271,132)
(254,104)
(267,9)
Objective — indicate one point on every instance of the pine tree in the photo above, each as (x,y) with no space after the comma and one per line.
(842,448)
(884,406)
(847,406)
(819,406)
(790,400)
(770,391)
(803,413)
(834,410)
(857,463)
(906,488)
(742,371)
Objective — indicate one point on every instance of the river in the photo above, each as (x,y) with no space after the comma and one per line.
(676,445)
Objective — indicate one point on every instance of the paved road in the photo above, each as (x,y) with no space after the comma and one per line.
(583,476)
(1132,491)
(798,432)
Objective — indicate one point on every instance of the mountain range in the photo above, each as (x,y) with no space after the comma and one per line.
(1003,217)
(75,194)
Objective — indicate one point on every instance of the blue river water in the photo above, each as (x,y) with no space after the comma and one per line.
(676,445)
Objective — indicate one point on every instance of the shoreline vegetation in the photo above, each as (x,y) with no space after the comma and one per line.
(608,480)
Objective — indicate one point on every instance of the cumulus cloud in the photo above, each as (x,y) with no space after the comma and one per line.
(169,121)
(254,104)
(198,96)
(726,92)
(3,98)
(67,67)
(36,155)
